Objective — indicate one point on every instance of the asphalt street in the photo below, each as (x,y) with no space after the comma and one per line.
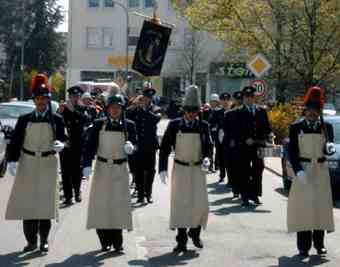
(236,236)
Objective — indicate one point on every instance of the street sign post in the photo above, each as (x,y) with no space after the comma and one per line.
(260,86)
(259,65)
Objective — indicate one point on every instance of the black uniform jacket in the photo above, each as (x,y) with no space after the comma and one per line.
(302,126)
(216,122)
(18,137)
(248,125)
(146,125)
(169,139)
(92,134)
(229,126)
(75,122)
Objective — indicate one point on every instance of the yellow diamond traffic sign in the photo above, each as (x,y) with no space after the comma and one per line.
(259,65)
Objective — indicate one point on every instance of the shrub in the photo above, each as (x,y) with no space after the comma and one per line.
(281,117)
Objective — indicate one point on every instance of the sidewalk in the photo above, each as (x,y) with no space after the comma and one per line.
(273,165)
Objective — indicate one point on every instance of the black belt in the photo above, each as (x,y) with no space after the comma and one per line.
(319,160)
(112,161)
(39,154)
(196,163)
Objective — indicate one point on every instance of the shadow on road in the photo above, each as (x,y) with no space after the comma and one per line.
(238,209)
(297,261)
(93,259)
(168,259)
(218,188)
(282,191)
(19,258)
(227,200)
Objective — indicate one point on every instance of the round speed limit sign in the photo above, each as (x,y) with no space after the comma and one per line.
(260,86)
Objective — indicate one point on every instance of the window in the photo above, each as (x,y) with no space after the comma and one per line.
(93,3)
(108,37)
(133,36)
(109,3)
(149,3)
(94,37)
(133,3)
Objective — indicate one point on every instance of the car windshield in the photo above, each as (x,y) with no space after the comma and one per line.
(13,112)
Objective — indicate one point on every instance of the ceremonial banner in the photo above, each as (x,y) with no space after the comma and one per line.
(151,49)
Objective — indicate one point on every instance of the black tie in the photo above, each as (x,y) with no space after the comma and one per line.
(40,117)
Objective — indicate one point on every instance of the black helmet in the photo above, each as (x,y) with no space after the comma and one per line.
(116,99)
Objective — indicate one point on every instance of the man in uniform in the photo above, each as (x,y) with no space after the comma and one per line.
(75,119)
(190,138)
(215,108)
(310,205)
(90,107)
(216,122)
(252,131)
(37,137)
(112,139)
(232,151)
(146,116)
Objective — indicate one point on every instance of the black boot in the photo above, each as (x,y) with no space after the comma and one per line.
(182,240)
(30,247)
(194,234)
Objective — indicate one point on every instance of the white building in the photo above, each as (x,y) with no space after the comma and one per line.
(97,43)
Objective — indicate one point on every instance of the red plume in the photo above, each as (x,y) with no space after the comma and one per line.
(315,93)
(38,80)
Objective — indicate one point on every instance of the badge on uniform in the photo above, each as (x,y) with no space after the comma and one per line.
(151,49)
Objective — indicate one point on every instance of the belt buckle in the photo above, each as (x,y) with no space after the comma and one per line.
(314,161)
(110,161)
(192,163)
(38,154)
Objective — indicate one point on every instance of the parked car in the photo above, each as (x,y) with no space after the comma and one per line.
(333,161)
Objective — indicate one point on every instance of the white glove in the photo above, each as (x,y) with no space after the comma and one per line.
(301,175)
(250,141)
(330,148)
(12,168)
(58,146)
(129,148)
(87,171)
(163,176)
(205,164)
(7,141)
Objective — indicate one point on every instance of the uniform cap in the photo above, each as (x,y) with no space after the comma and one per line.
(75,90)
(238,95)
(315,98)
(248,91)
(116,99)
(225,96)
(192,99)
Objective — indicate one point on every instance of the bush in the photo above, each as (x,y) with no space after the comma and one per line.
(281,117)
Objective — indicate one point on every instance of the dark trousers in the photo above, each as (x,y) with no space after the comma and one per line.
(221,160)
(252,170)
(305,239)
(110,237)
(34,227)
(71,171)
(145,172)
(234,169)
(182,235)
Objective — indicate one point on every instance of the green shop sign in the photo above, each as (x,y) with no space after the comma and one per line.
(231,70)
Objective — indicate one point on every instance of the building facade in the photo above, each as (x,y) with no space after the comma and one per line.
(97,45)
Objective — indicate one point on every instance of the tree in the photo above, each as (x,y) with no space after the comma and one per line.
(300,37)
(32,22)
(192,57)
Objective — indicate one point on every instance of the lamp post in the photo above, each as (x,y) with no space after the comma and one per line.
(126,10)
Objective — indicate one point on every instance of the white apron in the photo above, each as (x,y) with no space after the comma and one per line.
(35,193)
(189,196)
(109,203)
(310,206)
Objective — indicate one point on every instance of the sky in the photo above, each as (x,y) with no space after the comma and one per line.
(64,4)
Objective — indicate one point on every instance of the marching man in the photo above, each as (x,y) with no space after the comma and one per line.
(112,139)
(36,140)
(191,141)
(310,206)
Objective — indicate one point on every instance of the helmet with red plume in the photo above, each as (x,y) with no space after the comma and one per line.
(315,98)
(39,86)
